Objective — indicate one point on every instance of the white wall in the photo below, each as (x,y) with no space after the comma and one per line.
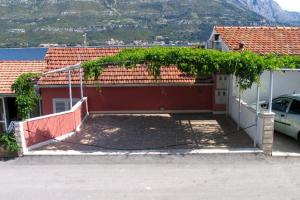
(247,119)
(245,115)
(284,83)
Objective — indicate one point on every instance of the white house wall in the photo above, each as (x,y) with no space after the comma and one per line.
(284,83)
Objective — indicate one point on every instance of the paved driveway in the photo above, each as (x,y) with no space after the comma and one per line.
(147,132)
(285,144)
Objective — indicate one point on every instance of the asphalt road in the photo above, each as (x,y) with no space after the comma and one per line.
(150,177)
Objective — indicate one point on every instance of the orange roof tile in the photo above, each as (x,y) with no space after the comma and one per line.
(10,70)
(62,57)
(263,40)
(119,75)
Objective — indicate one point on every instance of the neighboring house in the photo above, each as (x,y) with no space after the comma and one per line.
(261,40)
(127,90)
(9,71)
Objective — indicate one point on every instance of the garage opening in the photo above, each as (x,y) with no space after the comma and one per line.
(285,105)
(78,129)
(155,132)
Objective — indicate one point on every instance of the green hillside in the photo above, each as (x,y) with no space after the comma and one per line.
(65,21)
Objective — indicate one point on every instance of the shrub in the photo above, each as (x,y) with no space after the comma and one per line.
(8,141)
(27,96)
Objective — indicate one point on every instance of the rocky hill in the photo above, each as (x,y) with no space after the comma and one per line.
(271,10)
(32,22)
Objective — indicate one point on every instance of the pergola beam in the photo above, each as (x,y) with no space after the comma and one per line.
(288,69)
(70,89)
(64,69)
(69,69)
(81,83)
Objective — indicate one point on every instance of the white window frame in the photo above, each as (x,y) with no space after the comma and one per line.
(4,114)
(66,101)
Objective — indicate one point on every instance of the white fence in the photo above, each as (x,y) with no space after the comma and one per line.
(244,115)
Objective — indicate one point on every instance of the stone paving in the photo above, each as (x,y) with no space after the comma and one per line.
(286,144)
(155,132)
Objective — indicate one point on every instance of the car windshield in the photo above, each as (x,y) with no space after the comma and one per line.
(281,104)
(295,107)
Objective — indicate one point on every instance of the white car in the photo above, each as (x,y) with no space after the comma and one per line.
(287,118)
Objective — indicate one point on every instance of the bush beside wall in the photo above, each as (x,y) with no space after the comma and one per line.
(8,145)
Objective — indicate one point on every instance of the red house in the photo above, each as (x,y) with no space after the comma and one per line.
(121,90)
(127,90)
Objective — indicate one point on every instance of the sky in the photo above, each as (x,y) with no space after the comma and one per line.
(290,5)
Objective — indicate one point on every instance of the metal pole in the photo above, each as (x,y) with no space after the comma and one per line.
(257,113)
(227,100)
(271,90)
(70,89)
(81,83)
(239,121)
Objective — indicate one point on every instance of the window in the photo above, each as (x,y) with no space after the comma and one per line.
(1,110)
(2,116)
(295,107)
(281,104)
(61,105)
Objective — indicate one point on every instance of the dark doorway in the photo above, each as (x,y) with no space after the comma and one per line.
(12,111)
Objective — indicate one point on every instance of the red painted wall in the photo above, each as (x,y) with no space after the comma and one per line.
(41,129)
(148,98)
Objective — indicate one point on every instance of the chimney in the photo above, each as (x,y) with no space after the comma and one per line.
(241,46)
(85,40)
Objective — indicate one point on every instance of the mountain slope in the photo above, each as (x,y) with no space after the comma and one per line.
(31,22)
(270,10)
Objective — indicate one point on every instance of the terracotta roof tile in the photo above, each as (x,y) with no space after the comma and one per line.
(10,70)
(263,40)
(117,76)
(62,57)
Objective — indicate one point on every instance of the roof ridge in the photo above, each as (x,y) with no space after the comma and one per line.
(117,48)
(262,39)
(257,27)
(23,61)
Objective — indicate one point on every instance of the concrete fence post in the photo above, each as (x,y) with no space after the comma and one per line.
(268,132)
(19,134)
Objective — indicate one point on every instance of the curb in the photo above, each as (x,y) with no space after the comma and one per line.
(135,153)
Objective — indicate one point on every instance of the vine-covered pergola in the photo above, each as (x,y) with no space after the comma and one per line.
(245,65)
